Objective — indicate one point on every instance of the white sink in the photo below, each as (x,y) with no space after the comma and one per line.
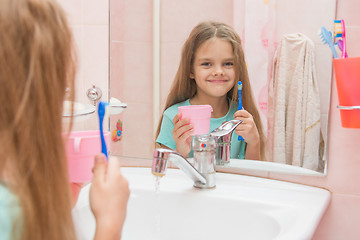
(240,207)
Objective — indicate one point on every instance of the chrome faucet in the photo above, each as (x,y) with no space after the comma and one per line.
(222,136)
(161,158)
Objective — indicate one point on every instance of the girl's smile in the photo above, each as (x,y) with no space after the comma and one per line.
(217,81)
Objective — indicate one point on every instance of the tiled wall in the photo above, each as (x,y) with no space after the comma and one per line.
(343,179)
(133,41)
(131,75)
(89,20)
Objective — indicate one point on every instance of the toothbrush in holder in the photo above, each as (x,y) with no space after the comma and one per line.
(240,107)
(102,108)
(339,32)
(326,38)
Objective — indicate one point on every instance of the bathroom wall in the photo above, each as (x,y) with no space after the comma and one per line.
(341,221)
(132,38)
(89,21)
(131,75)
(342,218)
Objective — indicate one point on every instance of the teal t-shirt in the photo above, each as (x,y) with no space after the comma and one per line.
(166,138)
(9,212)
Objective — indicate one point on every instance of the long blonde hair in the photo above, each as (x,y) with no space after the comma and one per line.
(184,87)
(36,65)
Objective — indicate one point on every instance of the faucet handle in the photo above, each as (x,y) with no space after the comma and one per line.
(222,135)
(225,128)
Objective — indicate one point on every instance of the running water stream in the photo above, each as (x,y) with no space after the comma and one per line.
(157,208)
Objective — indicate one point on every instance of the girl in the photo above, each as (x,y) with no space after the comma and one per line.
(212,63)
(36,66)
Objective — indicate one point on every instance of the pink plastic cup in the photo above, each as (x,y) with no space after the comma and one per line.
(81,148)
(199,116)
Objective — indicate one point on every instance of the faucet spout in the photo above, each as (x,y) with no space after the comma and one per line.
(161,158)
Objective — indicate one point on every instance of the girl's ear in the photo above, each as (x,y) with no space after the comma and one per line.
(192,76)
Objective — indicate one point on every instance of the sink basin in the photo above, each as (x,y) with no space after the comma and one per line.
(240,207)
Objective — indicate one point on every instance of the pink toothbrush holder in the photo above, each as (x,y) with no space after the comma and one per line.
(199,116)
(81,148)
(347,74)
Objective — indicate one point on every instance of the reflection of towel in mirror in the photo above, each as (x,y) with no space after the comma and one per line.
(294,134)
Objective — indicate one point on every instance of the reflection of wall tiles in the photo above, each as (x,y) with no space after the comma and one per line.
(131,74)
(89,23)
(131,20)
(170,59)
(138,132)
(134,68)
(96,58)
(78,36)
(179,17)
(314,14)
(117,70)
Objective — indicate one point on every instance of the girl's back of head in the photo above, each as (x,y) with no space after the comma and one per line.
(36,65)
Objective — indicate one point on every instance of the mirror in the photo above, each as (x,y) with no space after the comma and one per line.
(145,45)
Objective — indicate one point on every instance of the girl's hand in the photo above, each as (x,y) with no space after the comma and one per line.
(109,194)
(182,135)
(248,130)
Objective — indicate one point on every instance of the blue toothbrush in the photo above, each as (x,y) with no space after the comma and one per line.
(240,107)
(101,113)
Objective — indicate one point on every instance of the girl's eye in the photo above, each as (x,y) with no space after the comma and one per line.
(229,64)
(206,64)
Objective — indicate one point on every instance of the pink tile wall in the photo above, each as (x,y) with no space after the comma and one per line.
(131,75)
(89,20)
(343,179)
(343,176)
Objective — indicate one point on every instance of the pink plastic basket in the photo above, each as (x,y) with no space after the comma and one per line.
(81,148)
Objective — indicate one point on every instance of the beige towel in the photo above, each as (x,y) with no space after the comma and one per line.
(294,133)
